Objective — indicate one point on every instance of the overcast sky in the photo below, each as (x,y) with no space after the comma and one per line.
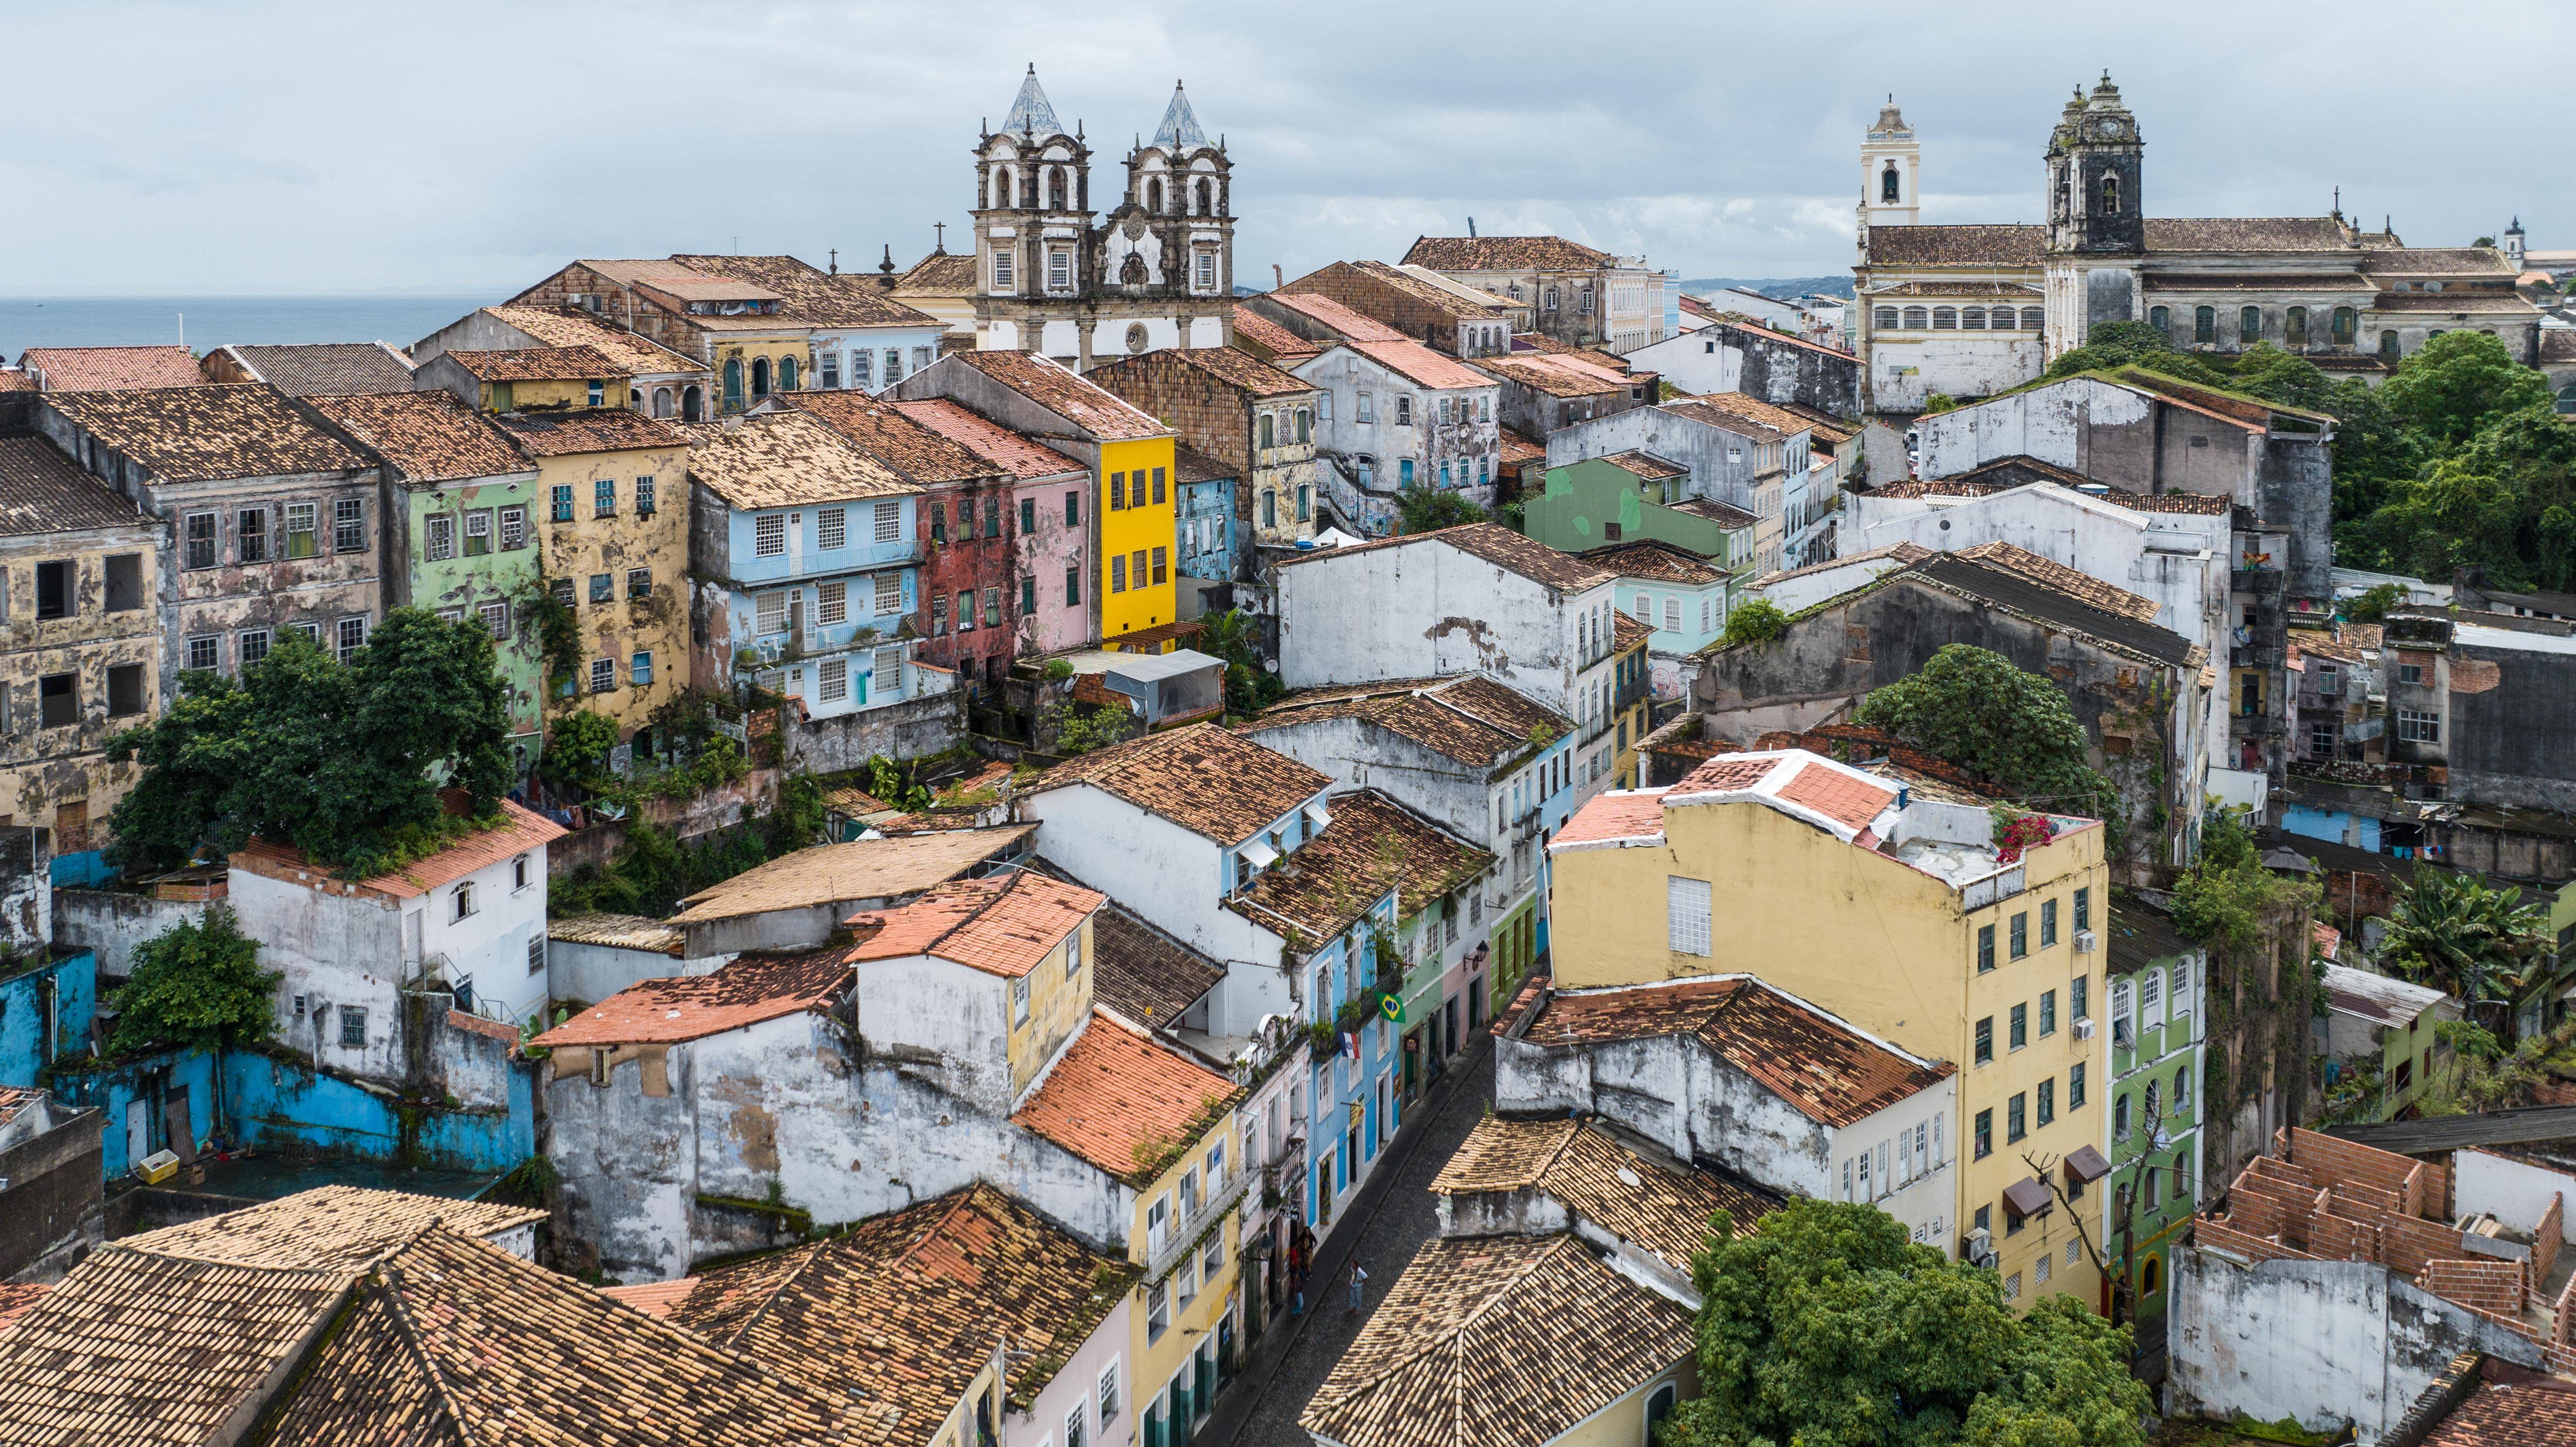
(466,148)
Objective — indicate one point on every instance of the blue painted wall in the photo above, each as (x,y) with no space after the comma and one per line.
(124,1089)
(273,1105)
(86,870)
(74,979)
(2329,826)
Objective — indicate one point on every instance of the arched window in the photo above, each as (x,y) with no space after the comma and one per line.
(1883,318)
(1055,188)
(1891,188)
(1973,319)
(787,374)
(2001,319)
(1945,319)
(2110,195)
(2249,324)
(635,398)
(2204,324)
(661,401)
(1011,187)
(2160,317)
(2030,318)
(733,381)
(760,376)
(2567,398)
(1154,195)
(2294,327)
(1659,1405)
(1916,319)
(693,406)
(1583,295)
(1206,198)
(2388,344)
(1268,431)
(2343,326)
(2151,1277)
(1444,474)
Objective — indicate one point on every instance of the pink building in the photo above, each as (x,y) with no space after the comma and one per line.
(1052,566)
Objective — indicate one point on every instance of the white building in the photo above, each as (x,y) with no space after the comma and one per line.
(1728,1070)
(1740,451)
(470,918)
(1395,414)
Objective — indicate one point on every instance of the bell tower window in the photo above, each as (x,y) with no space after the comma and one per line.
(2110,195)
(1154,196)
(1891,188)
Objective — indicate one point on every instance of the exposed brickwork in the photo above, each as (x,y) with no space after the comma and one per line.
(2493,1288)
(1212,413)
(2212,1233)
(2547,1238)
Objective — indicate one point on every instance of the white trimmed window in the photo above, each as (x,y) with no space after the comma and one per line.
(769,612)
(1686,910)
(831,603)
(889,522)
(768,535)
(889,592)
(889,670)
(832,528)
(442,538)
(835,680)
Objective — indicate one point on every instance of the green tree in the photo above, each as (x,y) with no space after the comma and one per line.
(2012,731)
(196,985)
(2124,344)
(2458,382)
(1826,1327)
(2480,945)
(577,745)
(2374,449)
(341,760)
(2373,605)
(1938,403)
(1420,509)
(2227,900)
(1756,620)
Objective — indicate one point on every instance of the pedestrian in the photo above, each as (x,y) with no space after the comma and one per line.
(1359,1280)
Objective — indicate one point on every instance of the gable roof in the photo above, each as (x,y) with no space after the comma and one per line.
(1283,344)
(1654,559)
(908,1307)
(1004,924)
(327,1228)
(1554,374)
(1143,973)
(631,353)
(208,433)
(587,430)
(1645,465)
(1724,419)
(112,369)
(1467,717)
(860,869)
(1118,1098)
(534,364)
(2015,246)
(1021,457)
(1778,419)
(1237,369)
(2048,602)
(431,436)
(1373,845)
(1491,542)
(1503,253)
(747,991)
(2073,582)
(1723,514)
(1825,1068)
(825,299)
(1101,414)
(2249,233)
(1419,363)
(327,369)
(1211,782)
(789,459)
(940,274)
(519,831)
(1349,324)
(1645,1198)
(1447,1358)
(909,447)
(42,491)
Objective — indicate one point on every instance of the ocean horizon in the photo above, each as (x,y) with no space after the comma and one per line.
(204,323)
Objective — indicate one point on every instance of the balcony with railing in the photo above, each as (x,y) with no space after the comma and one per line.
(1164,1246)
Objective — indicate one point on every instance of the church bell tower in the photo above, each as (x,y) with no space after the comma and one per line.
(1891,163)
(2094,163)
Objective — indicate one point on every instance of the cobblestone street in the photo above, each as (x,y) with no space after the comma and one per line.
(1404,1217)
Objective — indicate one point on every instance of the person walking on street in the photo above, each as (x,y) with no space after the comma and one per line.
(1359,1280)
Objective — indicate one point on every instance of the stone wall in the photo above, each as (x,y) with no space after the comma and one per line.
(903,730)
(51,1210)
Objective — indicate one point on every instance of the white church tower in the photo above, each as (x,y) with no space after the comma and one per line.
(1891,163)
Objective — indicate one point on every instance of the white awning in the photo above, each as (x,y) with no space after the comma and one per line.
(1319,817)
(1260,853)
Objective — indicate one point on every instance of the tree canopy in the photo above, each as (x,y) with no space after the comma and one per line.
(2012,731)
(1755,620)
(1422,509)
(195,985)
(1826,1327)
(2227,899)
(2460,381)
(2123,344)
(341,760)
(2450,931)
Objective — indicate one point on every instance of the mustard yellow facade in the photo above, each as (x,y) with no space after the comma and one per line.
(615,528)
(1895,949)
(750,366)
(1138,529)
(1178,1325)
(1059,1000)
(553,394)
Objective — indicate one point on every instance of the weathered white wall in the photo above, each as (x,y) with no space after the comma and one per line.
(490,946)
(1902,374)
(2324,1342)
(2518,1192)
(1723,465)
(946,1021)
(338,949)
(112,923)
(1359,616)
(592,973)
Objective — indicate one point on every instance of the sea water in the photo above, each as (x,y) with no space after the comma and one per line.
(207,322)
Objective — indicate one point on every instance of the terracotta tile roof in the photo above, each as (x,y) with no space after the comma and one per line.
(674,277)
(1117,1098)
(1449,1358)
(19,1298)
(1452,299)
(1006,450)
(2453,301)
(1098,413)
(2021,591)
(42,491)
(1002,924)
(1503,253)
(1326,885)
(1527,557)
(1646,465)
(16,379)
(2534,1411)
(1143,973)
(940,274)
(1467,717)
(1210,782)
(1717,512)
(747,991)
(534,364)
(1627,632)
(328,369)
(1614,814)
(910,448)
(653,1298)
(453,1341)
(1519,447)
(1241,371)
(1838,796)
(431,436)
(1829,1071)
(1723,775)
(861,869)
(907,1308)
(1554,375)
(1350,325)
(2308,281)
(1725,420)
(1420,364)
(789,459)
(1896,555)
(142,1350)
(2558,344)
(328,1228)
(208,433)
(112,369)
(1956,245)
(1260,331)
(1960,287)
(2247,233)
(600,429)
(826,299)
(630,353)
(1191,465)
(619,931)
(1642,1197)
(1660,561)
(519,831)
(1778,419)
(2436,261)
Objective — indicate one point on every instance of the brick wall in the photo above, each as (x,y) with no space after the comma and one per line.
(1431,325)
(2547,1237)
(2422,1189)
(2215,1234)
(2344,1238)
(1208,414)
(2493,1288)
(2407,1243)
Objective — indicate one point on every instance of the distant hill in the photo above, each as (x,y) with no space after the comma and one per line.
(1782,287)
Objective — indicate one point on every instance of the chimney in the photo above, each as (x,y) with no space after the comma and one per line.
(1278,279)
(1471,226)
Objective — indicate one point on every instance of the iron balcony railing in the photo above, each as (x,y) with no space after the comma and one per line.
(1163,1250)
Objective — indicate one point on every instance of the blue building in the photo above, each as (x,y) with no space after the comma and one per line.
(807,558)
(1210,535)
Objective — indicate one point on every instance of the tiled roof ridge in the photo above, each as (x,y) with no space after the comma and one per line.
(2094,635)
(1451,1336)
(386,1284)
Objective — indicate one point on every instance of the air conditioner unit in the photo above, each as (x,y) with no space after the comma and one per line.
(2083,1029)
(2084,942)
(1979,1248)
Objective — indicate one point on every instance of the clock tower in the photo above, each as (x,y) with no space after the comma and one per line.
(2097,231)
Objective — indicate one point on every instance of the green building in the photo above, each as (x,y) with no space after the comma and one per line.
(1638,497)
(2382,1049)
(2154,981)
(463,495)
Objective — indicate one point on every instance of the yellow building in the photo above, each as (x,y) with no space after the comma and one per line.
(528,379)
(1896,911)
(1133,525)
(1632,691)
(613,525)
(1164,1126)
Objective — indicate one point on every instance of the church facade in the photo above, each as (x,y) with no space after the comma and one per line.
(1155,272)
(1969,311)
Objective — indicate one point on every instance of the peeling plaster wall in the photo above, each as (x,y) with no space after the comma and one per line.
(2512,741)
(2324,1342)
(464,583)
(907,729)
(112,923)
(1358,617)
(59,777)
(1905,374)
(1060,545)
(1724,466)
(586,545)
(340,950)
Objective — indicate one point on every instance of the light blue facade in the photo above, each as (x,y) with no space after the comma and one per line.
(2332,826)
(1208,532)
(871,359)
(135,1093)
(45,1011)
(277,1105)
(1346,1137)
(820,600)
